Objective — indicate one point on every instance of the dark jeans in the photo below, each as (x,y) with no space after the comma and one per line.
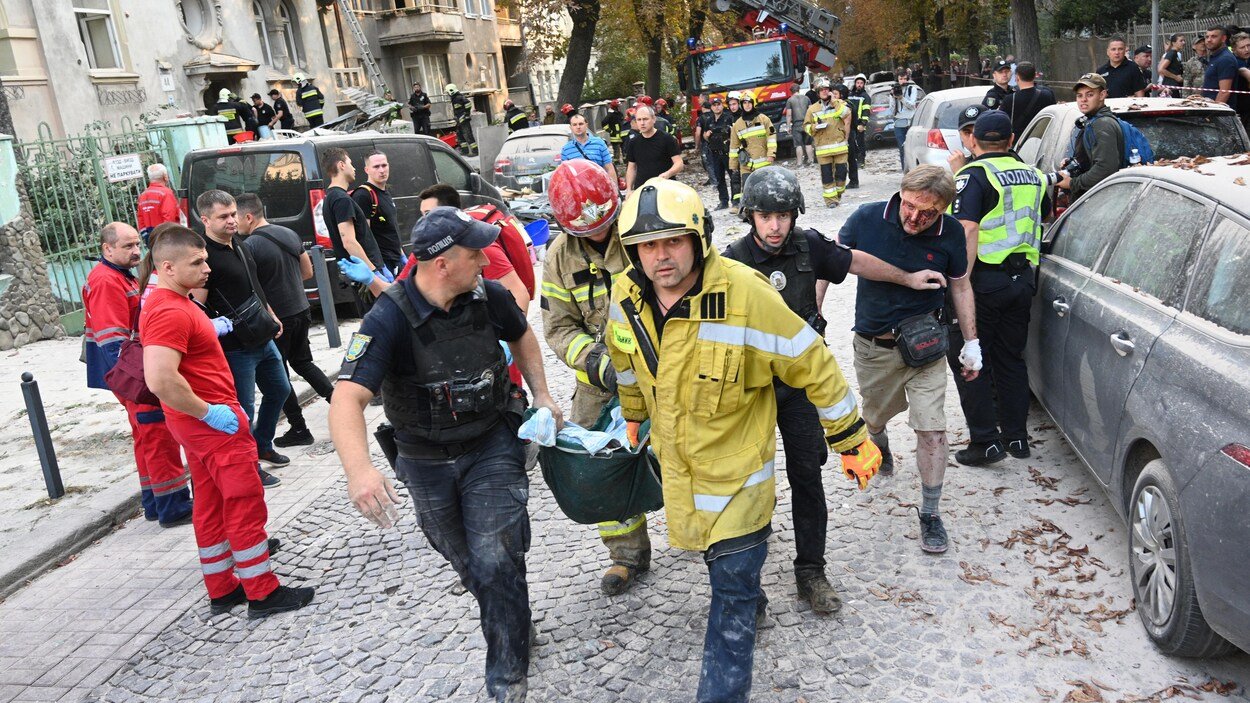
(729,646)
(260,367)
(473,511)
(852,163)
(421,125)
(900,135)
(806,452)
(718,166)
(293,346)
(999,397)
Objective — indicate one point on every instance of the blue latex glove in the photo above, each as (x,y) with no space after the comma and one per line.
(385,274)
(507,351)
(222,419)
(222,325)
(355,270)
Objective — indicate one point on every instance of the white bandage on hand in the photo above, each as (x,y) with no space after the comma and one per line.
(970,355)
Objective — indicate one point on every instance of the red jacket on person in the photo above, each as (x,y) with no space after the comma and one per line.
(157,205)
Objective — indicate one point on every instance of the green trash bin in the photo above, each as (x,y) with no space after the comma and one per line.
(607,488)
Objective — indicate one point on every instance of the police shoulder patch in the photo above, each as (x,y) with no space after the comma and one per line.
(960,183)
(356,348)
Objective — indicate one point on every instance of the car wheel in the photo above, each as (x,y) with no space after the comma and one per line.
(1159,566)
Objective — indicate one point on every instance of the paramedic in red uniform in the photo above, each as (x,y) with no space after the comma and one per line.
(186,368)
(157,204)
(111,309)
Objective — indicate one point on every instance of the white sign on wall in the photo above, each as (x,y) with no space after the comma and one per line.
(126,167)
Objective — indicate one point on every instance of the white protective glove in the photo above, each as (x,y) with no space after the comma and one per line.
(970,355)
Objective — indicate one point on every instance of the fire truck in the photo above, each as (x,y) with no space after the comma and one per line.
(789,38)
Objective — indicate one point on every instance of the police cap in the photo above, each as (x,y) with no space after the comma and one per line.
(969,115)
(992,126)
(445,227)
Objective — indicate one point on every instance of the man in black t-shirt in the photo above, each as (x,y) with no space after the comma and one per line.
(282,266)
(1124,78)
(651,152)
(282,111)
(264,116)
(1028,100)
(228,291)
(346,222)
(379,207)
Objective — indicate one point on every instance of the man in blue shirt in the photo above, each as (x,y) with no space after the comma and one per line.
(584,145)
(911,232)
(1217,81)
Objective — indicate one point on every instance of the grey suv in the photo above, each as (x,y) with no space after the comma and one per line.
(1139,348)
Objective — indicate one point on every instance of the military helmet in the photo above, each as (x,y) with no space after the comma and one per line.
(663,208)
(771,189)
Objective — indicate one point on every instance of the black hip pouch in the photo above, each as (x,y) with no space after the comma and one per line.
(922,339)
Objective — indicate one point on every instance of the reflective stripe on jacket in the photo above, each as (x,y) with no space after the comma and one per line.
(832,139)
(757,138)
(1015,223)
(575,298)
(711,402)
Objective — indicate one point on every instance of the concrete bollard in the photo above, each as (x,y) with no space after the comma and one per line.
(43,438)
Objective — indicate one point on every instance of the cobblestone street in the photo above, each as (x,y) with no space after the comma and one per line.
(1031,603)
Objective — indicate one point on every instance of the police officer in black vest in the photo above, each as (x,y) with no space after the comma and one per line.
(433,343)
(794,259)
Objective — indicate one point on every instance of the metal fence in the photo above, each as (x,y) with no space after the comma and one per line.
(1139,34)
(77,184)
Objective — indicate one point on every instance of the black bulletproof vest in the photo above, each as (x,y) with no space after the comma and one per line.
(461,382)
(790,272)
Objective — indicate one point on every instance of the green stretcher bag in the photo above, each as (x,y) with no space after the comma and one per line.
(608,488)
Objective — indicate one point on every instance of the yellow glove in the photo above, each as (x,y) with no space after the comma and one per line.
(631,431)
(861,463)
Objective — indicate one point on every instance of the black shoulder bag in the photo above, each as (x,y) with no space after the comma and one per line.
(253,325)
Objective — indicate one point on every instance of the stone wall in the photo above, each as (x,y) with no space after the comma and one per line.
(28,312)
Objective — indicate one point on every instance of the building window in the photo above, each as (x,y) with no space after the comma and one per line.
(262,30)
(488,8)
(430,70)
(291,33)
(99,36)
(472,8)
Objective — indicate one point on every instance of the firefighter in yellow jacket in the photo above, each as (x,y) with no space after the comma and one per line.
(752,142)
(696,340)
(829,122)
(578,271)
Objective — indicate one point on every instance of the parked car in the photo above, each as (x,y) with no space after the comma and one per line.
(529,154)
(881,119)
(934,131)
(286,174)
(1174,128)
(1138,345)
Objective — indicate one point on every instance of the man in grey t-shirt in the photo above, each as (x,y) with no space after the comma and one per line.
(282,266)
(796,110)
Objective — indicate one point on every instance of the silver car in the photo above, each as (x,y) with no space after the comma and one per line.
(934,131)
(1139,346)
(530,154)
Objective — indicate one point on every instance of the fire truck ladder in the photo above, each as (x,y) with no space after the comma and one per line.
(366,56)
(803,18)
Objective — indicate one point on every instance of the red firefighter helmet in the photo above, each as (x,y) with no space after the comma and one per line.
(566,108)
(646,100)
(614,104)
(629,114)
(508,104)
(583,198)
(661,104)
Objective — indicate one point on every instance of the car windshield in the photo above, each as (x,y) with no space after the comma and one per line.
(536,145)
(1189,134)
(276,176)
(948,112)
(752,64)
